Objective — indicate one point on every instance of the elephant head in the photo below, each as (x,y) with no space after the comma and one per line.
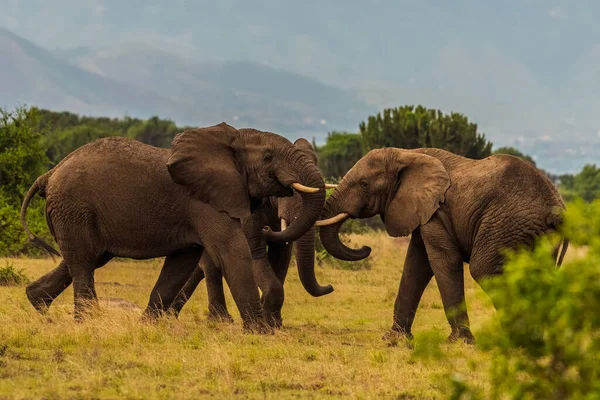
(289,208)
(405,187)
(233,170)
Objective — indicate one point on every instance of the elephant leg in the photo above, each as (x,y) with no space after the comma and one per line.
(48,287)
(176,271)
(272,290)
(43,291)
(488,261)
(279,256)
(416,276)
(217,307)
(188,289)
(447,265)
(236,266)
(81,268)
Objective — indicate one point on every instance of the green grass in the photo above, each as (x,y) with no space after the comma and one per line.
(330,346)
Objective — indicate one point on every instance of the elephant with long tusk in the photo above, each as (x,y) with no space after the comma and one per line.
(280,214)
(117,197)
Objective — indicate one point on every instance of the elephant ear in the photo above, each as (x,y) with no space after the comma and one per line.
(307,149)
(203,160)
(422,185)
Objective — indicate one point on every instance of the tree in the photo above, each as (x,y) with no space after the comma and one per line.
(22,152)
(586,184)
(63,142)
(514,152)
(155,132)
(412,127)
(340,152)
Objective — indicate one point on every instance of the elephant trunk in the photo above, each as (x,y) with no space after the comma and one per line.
(306,173)
(330,237)
(305,260)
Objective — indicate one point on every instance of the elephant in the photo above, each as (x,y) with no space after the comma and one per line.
(276,213)
(117,197)
(456,210)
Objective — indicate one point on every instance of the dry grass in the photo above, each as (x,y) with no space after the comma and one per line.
(330,346)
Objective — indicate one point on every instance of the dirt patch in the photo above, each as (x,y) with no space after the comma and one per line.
(116,284)
(117,302)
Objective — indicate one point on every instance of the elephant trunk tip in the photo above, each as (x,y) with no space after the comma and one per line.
(322,291)
(355,254)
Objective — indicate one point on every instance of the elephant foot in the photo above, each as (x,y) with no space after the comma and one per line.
(151,315)
(175,310)
(463,334)
(397,335)
(38,299)
(260,327)
(275,323)
(273,319)
(220,317)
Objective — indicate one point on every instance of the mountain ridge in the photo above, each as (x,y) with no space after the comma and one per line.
(143,81)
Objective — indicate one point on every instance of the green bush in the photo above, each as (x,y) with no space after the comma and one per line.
(22,160)
(585,184)
(545,339)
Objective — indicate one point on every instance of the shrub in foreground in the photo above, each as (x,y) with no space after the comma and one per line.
(545,339)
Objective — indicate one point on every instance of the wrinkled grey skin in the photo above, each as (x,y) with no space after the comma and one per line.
(117,197)
(457,210)
(271,212)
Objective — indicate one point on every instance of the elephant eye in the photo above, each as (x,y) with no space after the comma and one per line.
(364,184)
(268,158)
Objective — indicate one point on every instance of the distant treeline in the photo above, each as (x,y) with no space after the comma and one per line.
(33,140)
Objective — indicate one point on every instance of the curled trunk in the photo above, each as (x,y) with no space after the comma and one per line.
(305,260)
(330,234)
(306,173)
(331,241)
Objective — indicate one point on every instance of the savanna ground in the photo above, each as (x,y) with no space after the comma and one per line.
(330,346)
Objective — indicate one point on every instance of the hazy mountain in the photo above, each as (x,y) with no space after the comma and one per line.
(240,91)
(31,75)
(141,80)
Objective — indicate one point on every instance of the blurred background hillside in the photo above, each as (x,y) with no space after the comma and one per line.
(526,72)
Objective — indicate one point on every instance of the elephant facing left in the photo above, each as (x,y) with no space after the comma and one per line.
(117,197)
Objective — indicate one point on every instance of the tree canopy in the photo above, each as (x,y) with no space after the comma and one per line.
(585,184)
(412,127)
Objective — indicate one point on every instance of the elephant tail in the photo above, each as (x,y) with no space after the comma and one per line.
(563,251)
(38,186)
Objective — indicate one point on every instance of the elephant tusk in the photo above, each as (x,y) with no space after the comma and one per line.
(332,220)
(283,225)
(330,186)
(306,189)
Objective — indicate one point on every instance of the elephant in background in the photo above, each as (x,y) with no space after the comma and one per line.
(457,210)
(276,213)
(117,197)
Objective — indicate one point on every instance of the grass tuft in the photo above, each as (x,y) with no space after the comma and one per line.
(10,276)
